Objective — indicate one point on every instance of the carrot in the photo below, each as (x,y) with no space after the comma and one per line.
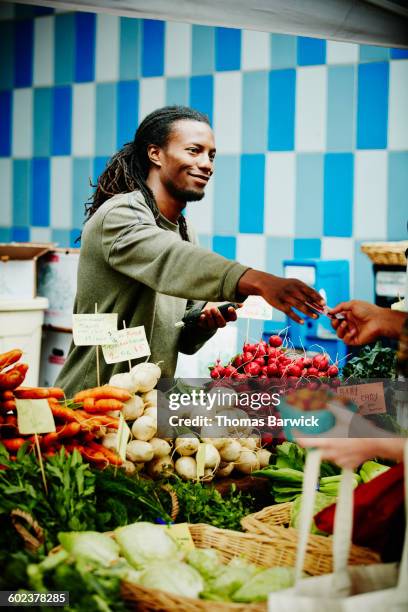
(87,436)
(49,439)
(108,421)
(56,392)
(5,396)
(13,444)
(38,393)
(111,456)
(11,420)
(105,392)
(7,359)
(8,405)
(102,405)
(68,430)
(14,377)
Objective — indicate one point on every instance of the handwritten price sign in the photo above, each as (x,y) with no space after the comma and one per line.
(34,416)
(126,344)
(255,307)
(368,397)
(94,329)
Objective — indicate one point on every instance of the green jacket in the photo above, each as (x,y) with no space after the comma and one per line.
(149,276)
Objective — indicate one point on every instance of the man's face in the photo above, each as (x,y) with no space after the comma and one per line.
(187,160)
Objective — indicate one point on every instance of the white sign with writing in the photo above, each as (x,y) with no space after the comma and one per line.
(94,329)
(126,344)
(34,416)
(255,307)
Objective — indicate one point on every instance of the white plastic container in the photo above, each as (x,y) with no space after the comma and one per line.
(20,327)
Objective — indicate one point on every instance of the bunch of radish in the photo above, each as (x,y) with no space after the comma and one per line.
(264,360)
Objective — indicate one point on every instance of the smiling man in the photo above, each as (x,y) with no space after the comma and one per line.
(139,257)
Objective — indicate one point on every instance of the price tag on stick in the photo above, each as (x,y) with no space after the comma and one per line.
(94,329)
(255,307)
(126,344)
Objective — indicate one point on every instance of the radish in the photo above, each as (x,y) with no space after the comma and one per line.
(161,448)
(144,428)
(150,398)
(145,376)
(186,467)
(225,469)
(307,362)
(237,361)
(248,462)
(320,362)
(247,357)
(263,456)
(160,467)
(250,443)
(129,467)
(272,370)
(252,369)
(186,445)
(133,408)
(275,341)
(123,381)
(313,371)
(152,413)
(260,361)
(110,441)
(139,451)
(294,370)
(217,372)
(230,450)
(333,370)
(229,371)
(211,456)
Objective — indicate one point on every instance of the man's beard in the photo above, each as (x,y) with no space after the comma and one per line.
(184,195)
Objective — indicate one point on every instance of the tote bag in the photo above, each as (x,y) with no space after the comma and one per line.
(372,588)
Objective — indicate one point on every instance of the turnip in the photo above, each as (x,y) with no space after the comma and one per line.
(145,376)
(186,445)
(128,467)
(133,408)
(110,441)
(144,428)
(150,398)
(161,448)
(160,467)
(250,443)
(225,469)
(211,456)
(217,442)
(248,461)
(208,475)
(139,451)
(151,412)
(263,457)
(230,451)
(123,381)
(186,467)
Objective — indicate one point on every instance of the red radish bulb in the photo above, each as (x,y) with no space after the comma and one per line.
(275,341)
(333,370)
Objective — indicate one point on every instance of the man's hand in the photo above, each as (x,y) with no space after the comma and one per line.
(281,293)
(211,318)
(365,322)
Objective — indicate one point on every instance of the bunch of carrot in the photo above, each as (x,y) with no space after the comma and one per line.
(75,428)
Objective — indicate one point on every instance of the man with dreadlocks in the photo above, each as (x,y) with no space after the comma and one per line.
(139,257)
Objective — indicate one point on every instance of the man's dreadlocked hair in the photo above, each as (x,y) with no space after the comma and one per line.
(128,169)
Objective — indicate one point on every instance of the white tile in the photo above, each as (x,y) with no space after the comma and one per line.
(251,250)
(23,122)
(398,106)
(107,47)
(228,111)
(40,234)
(280,194)
(255,50)
(341,52)
(339,248)
(61,193)
(311,108)
(178,49)
(6,182)
(152,95)
(370,194)
(83,120)
(44,51)
(200,214)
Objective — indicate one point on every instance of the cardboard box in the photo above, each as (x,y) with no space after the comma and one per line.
(57,281)
(18,269)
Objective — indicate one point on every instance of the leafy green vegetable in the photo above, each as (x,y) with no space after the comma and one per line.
(175,577)
(90,546)
(206,561)
(321,501)
(142,543)
(265,582)
(372,362)
(372,469)
(229,578)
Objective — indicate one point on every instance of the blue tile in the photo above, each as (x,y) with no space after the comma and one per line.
(130,48)
(82,170)
(23,53)
(105,132)
(309,195)
(20,234)
(21,192)
(372,110)
(177,91)
(61,237)
(6,54)
(40,194)
(283,51)
(85,33)
(226,194)
(340,108)
(255,112)
(251,218)
(338,194)
(127,111)
(5,234)
(203,49)
(311,51)
(42,122)
(5,123)
(64,48)
(153,48)
(306,248)
(362,285)
(99,165)
(61,120)
(397,195)
(399,53)
(225,246)
(75,238)
(201,94)
(371,53)
(227,49)
(282,94)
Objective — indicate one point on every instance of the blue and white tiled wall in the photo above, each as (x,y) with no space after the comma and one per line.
(312,135)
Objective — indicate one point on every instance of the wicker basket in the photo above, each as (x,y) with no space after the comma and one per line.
(257,549)
(273,522)
(386,253)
